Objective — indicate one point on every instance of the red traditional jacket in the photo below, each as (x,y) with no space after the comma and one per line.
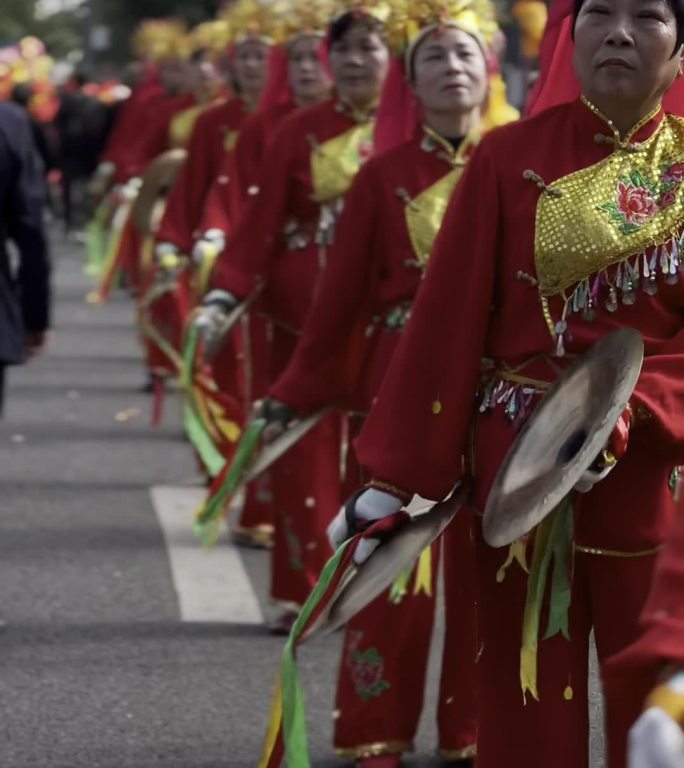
(546,247)
(130,122)
(663,619)
(285,229)
(215,133)
(391,216)
(155,138)
(240,169)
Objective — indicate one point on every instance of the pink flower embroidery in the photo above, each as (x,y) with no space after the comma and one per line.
(367,674)
(636,204)
(366,668)
(668,198)
(674,174)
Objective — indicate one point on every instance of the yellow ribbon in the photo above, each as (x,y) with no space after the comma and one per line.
(517,553)
(535,594)
(274,720)
(203,273)
(423,582)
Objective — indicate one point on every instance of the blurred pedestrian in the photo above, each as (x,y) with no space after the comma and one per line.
(24,282)
(43,140)
(81,125)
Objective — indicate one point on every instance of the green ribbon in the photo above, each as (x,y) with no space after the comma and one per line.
(294,712)
(210,514)
(96,246)
(399,588)
(552,544)
(195,428)
(560,543)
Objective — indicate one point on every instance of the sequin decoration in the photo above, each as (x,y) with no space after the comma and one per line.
(424,213)
(516,398)
(613,230)
(334,163)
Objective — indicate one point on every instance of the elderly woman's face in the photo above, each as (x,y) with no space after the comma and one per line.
(624,50)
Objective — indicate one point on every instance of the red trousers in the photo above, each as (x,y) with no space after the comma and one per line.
(238,368)
(608,594)
(165,315)
(308,493)
(306,489)
(625,513)
(385,659)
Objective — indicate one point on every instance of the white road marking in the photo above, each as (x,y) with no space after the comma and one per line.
(212,584)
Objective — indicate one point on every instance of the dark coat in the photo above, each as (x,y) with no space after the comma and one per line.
(24,284)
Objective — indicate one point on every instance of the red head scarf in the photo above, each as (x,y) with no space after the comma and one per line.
(557,83)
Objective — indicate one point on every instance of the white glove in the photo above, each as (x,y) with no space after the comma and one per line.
(656,741)
(212,239)
(130,189)
(162,250)
(211,320)
(373,505)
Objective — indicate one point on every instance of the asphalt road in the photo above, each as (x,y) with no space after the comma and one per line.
(99,667)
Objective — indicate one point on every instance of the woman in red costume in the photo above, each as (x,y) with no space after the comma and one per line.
(384,238)
(214,135)
(297,79)
(211,130)
(563,228)
(163,313)
(280,244)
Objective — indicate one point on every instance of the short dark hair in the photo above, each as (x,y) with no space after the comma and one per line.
(21,94)
(676,6)
(342,24)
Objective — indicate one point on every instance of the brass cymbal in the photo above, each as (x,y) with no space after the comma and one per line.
(156,184)
(563,437)
(361,584)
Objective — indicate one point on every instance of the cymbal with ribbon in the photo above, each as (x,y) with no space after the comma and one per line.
(563,437)
(399,550)
(271,452)
(156,183)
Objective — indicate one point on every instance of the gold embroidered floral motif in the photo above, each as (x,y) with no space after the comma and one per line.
(638,193)
(334,163)
(638,200)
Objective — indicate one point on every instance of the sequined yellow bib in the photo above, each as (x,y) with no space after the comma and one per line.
(622,207)
(230,140)
(182,125)
(335,162)
(425,212)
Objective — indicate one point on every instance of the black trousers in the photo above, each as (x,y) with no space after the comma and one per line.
(3,369)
